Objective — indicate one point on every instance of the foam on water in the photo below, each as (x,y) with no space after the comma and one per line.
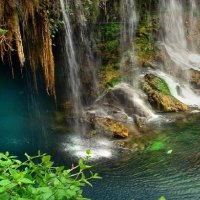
(100,148)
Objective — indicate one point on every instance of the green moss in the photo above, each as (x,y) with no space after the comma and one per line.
(145,39)
(114,81)
(159,95)
(158,84)
(108,50)
(111,46)
(110,31)
(109,76)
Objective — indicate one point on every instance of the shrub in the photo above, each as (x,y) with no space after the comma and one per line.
(38,179)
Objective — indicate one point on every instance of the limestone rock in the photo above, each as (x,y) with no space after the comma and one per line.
(141,123)
(195,78)
(159,95)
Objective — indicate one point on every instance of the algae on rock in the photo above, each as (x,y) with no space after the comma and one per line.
(159,95)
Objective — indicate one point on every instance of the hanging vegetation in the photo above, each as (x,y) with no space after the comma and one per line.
(28,20)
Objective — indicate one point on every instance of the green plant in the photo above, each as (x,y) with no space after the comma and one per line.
(114,81)
(162,198)
(110,31)
(3,31)
(38,179)
(145,39)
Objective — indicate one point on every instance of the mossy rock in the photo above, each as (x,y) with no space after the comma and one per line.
(159,95)
(109,76)
(118,129)
(195,78)
(157,84)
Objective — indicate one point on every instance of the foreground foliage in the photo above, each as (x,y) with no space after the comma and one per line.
(38,179)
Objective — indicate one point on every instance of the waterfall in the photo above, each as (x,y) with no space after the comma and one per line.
(135,96)
(193,28)
(174,36)
(129,23)
(91,63)
(72,64)
(182,92)
(181,52)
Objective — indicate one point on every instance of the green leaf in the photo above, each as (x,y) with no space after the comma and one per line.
(46,196)
(70,193)
(96,176)
(60,169)
(87,182)
(11,185)
(4,196)
(5,182)
(162,198)
(44,189)
(7,153)
(2,189)
(88,152)
(14,173)
(81,164)
(25,180)
(46,158)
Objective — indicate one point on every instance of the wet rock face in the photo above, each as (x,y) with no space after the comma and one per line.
(106,126)
(125,98)
(195,78)
(118,113)
(159,95)
(141,123)
(117,129)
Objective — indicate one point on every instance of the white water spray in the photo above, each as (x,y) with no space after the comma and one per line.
(180,91)
(72,65)
(129,23)
(174,38)
(181,52)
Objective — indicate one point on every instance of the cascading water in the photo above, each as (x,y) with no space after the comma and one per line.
(193,33)
(181,55)
(173,34)
(128,28)
(91,63)
(129,20)
(135,96)
(129,23)
(180,91)
(72,65)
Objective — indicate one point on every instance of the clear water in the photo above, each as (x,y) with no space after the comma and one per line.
(21,126)
(14,128)
(173,170)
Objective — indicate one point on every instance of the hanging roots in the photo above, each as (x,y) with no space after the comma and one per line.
(28,19)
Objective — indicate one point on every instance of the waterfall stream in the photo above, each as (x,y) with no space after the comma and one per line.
(181,52)
(72,65)
(129,21)
(174,35)
(85,48)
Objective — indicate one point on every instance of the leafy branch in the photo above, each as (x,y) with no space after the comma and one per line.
(38,179)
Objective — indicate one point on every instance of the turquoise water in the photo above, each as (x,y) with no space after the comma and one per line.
(20,126)
(171,169)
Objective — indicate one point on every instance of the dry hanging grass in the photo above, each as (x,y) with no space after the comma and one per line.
(28,18)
